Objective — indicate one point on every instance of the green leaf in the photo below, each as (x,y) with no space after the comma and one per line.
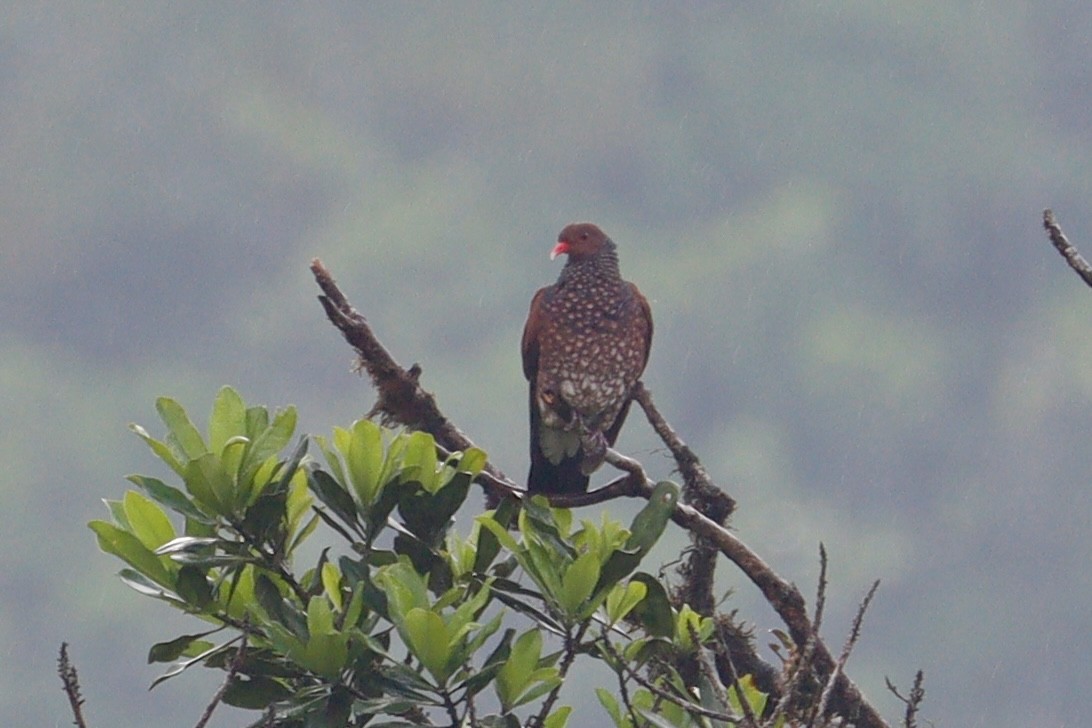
(182,431)
(364,458)
(515,677)
(193,586)
(578,582)
(268,442)
(167,495)
(473,461)
(621,600)
(172,650)
(143,585)
(334,496)
(404,587)
(488,544)
(147,520)
(210,485)
(161,450)
(129,549)
(492,665)
(610,704)
(559,718)
(320,618)
(419,460)
(331,583)
(255,693)
(427,638)
(277,608)
(179,667)
(228,419)
(755,697)
(427,514)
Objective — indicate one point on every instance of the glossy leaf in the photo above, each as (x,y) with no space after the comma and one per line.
(255,693)
(193,586)
(147,520)
(172,650)
(129,549)
(427,639)
(209,484)
(621,600)
(559,718)
(167,495)
(334,497)
(578,582)
(228,419)
(182,432)
(419,460)
(162,451)
(522,661)
(364,458)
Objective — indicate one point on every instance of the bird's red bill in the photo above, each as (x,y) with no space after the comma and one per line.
(560,249)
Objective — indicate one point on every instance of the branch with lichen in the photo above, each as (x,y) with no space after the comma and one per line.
(703,512)
(1067,250)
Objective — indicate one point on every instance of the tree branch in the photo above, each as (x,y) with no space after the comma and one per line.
(71,681)
(402,400)
(1061,243)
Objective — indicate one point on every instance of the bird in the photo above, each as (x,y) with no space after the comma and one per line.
(585,345)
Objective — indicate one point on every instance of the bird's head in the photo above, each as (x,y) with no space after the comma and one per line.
(581,240)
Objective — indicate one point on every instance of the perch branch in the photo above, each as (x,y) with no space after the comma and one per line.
(401,399)
(1061,243)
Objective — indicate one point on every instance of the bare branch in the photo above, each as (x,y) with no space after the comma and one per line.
(699,489)
(401,399)
(1061,243)
(233,670)
(667,695)
(912,701)
(851,641)
(71,682)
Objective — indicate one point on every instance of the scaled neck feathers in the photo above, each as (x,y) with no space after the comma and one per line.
(604,264)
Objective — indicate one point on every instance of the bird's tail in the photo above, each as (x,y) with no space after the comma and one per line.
(564,477)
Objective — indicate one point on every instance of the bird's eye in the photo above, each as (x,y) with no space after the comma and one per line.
(583,236)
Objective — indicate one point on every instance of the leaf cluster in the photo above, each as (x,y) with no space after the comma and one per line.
(402,624)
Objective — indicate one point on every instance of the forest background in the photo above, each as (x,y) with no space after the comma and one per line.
(833,207)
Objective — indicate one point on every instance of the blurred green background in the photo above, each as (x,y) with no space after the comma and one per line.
(834,208)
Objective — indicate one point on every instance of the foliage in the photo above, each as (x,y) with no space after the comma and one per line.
(403,625)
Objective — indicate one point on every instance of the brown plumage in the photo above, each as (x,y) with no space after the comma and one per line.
(585,344)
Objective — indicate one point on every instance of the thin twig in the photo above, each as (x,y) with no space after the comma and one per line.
(714,681)
(623,689)
(1061,243)
(233,670)
(851,641)
(71,682)
(912,701)
(572,642)
(667,695)
(710,674)
(802,667)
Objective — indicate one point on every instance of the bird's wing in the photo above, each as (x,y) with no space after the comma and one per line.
(646,317)
(531,329)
